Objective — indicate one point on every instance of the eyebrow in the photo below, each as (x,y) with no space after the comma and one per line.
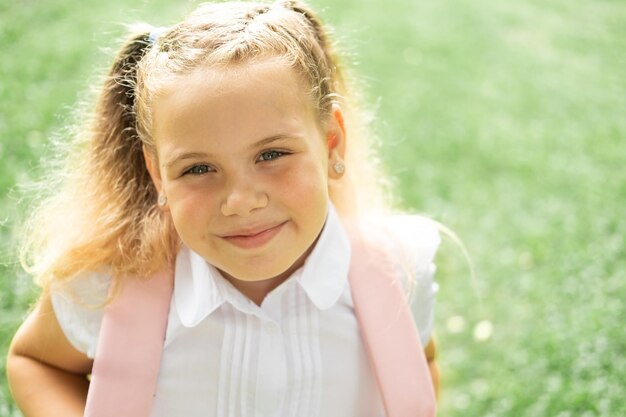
(274,138)
(263,142)
(181,157)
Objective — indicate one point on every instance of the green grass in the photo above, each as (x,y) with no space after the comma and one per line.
(504,120)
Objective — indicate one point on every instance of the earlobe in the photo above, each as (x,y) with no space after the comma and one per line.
(336,142)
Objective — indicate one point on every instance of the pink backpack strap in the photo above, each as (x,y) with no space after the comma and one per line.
(389,332)
(128,354)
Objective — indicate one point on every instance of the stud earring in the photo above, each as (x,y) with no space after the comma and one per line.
(162,200)
(339,168)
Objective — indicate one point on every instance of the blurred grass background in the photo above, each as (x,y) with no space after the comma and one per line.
(504,120)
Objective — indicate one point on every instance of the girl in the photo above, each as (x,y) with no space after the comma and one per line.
(218,154)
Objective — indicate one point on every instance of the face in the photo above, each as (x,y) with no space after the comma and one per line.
(244,163)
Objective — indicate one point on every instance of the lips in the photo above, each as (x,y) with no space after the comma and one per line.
(253,237)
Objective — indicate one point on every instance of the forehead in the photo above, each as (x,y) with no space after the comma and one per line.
(242,101)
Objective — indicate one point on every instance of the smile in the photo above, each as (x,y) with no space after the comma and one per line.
(253,239)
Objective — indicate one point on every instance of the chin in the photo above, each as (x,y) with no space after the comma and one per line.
(258,273)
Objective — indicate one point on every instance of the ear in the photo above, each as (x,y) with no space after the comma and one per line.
(336,141)
(152,165)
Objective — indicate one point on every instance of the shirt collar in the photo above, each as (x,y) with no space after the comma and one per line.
(325,272)
(200,288)
(197,292)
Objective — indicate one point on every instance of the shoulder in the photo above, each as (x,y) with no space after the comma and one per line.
(409,239)
(414,233)
(79,307)
(411,242)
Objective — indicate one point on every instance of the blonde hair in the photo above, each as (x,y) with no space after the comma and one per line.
(103,214)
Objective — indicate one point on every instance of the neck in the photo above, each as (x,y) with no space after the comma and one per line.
(256,291)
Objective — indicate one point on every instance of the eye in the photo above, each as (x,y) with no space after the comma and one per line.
(198,170)
(271,155)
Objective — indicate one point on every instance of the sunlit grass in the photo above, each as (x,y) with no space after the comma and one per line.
(504,120)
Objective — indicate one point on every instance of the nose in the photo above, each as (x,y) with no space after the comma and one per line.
(242,197)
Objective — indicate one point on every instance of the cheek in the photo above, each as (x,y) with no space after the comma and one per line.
(190,208)
(304,181)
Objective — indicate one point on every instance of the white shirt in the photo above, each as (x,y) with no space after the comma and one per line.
(299,354)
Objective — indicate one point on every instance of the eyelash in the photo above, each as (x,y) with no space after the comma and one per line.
(263,157)
(277,154)
(190,171)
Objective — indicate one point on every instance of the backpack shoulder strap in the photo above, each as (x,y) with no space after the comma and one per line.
(389,332)
(130,345)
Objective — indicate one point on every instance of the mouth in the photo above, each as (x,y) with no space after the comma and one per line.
(253,238)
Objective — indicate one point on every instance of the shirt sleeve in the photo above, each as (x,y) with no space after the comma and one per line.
(414,241)
(78,306)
